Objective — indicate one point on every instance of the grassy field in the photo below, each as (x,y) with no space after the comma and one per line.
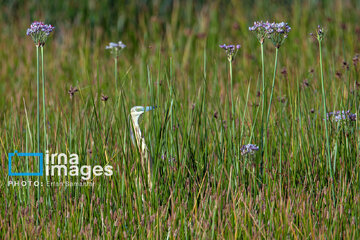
(300,184)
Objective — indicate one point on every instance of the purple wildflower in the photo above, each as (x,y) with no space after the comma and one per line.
(260,28)
(116,48)
(277,32)
(340,116)
(39,32)
(231,50)
(249,149)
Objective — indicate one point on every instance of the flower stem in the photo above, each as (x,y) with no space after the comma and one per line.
(271,97)
(232,108)
(272,88)
(43,92)
(325,117)
(263,98)
(38,110)
(232,99)
(115,73)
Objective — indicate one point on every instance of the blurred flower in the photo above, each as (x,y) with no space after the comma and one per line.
(306,83)
(249,149)
(284,73)
(169,159)
(339,116)
(72,91)
(319,33)
(282,99)
(104,98)
(356,59)
(90,151)
(216,114)
(116,48)
(231,50)
(39,32)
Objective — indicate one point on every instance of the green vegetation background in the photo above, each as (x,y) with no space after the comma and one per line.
(203,187)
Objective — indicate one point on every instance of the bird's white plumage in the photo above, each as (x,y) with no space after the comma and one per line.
(136,113)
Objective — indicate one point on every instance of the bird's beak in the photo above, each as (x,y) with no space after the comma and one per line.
(150,108)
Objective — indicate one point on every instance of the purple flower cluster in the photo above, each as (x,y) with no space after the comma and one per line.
(115,48)
(277,32)
(339,116)
(39,32)
(231,50)
(258,26)
(249,149)
(261,30)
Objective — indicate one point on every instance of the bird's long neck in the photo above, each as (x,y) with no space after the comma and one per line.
(138,135)
(146,160)
(140,140)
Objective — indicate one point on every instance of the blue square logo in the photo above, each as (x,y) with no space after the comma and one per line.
(41,157)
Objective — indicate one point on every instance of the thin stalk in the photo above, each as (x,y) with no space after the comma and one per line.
(231,90)
(263,98)
(271,96)
(232,103)
(43,92)
(115,73)
(38,110)
(325,118)
(71,111)
(272,88)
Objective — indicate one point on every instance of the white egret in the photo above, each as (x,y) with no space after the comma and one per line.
(146,161)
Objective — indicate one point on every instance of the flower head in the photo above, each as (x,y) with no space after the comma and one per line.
(116,48)
(39,32)
(341,116)
(320,33)
(249,149)
(260,28)
(277,32)
(231,50)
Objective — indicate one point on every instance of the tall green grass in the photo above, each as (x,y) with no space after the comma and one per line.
(204,188)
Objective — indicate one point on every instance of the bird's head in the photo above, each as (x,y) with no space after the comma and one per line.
(137,111)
